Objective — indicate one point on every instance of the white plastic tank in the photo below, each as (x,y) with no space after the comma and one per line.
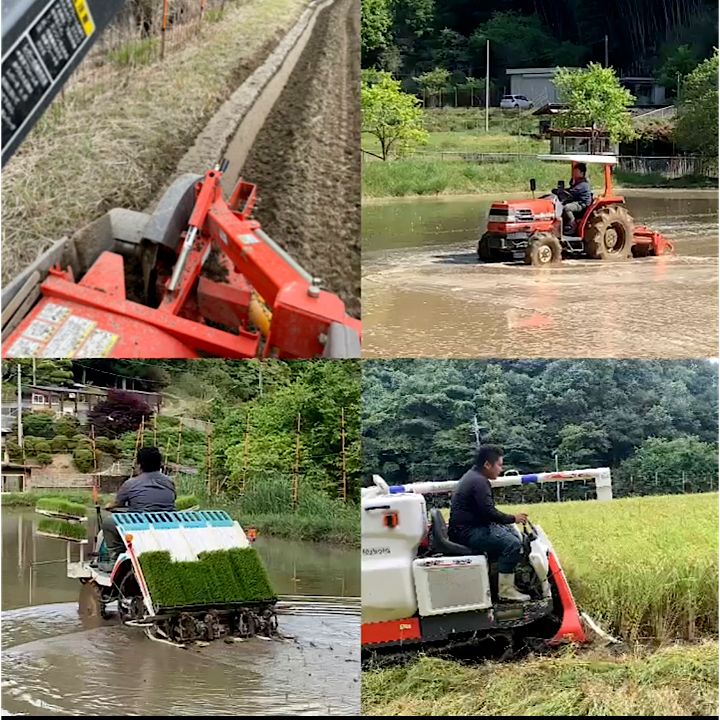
(393,526)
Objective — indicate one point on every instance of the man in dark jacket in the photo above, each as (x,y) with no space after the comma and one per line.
(476,523)
(150,491)
(579,198)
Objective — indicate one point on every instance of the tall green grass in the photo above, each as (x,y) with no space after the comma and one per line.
(680,681)
(134,53)
(647,567)
(423,176)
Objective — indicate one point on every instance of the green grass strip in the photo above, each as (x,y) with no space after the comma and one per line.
(62,529)
(59,505)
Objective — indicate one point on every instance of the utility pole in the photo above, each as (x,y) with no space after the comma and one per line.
(607,62)
(34,375)
(487,88)
(557,485)
(19,405)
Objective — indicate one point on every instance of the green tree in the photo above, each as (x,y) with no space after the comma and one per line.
(519,41)
(697,123)
(47,372)
(390,115)
(595,99)
(678,64)
(434,82)
(39,424)
(374,25)
(675,465)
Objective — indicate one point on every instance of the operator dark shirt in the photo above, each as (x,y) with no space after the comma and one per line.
(581,193)
(472,506)
(147,492)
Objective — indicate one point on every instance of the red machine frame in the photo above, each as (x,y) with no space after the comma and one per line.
(259,275)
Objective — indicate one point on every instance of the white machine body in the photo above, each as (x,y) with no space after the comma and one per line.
(397,584)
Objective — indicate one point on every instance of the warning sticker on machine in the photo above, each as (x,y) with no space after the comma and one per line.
(33,64)
(56,333)
(68,339)
(99,344)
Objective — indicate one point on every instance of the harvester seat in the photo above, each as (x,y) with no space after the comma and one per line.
(440,543)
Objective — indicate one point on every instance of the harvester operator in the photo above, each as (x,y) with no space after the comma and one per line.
(476,523)
(577,198)
(150,491)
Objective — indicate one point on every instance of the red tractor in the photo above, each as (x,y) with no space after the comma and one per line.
(532,230)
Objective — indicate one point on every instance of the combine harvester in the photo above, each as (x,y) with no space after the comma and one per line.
(420,591)
(184,576)
(197,277)
(532,230)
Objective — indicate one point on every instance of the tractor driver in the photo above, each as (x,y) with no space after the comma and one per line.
(578,198)
(476,523)
(150,491)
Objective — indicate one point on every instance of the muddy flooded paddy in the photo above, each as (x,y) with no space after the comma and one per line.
(54,663)
(426,295)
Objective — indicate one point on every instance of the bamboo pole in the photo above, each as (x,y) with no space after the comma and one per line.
(246,455)
(296,479)
(342,440)
(209,459)
(179,443)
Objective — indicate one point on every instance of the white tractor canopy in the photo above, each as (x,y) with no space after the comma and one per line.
(587,159)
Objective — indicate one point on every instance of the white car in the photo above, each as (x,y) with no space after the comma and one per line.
(515,102)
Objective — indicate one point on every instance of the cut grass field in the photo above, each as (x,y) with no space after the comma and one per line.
(114,142)
(646,568)
(674,681)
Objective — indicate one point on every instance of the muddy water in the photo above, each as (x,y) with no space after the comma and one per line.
(54,663)
(426,295)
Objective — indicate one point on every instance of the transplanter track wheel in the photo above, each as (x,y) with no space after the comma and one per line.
(130,602)
(246,624)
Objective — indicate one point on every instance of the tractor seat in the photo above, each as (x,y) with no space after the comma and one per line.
(439,537)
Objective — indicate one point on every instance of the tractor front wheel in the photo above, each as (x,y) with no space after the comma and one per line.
(543,250)
(483,251)
(609,234)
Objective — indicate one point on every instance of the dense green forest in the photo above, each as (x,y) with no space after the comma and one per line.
(653,37)
(654,423)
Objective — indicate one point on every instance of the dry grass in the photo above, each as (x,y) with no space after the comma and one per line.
(675,681)
(112,143)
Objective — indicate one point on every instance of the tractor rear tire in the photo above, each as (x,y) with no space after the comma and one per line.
(483,250)
(543,250)
(609,234)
